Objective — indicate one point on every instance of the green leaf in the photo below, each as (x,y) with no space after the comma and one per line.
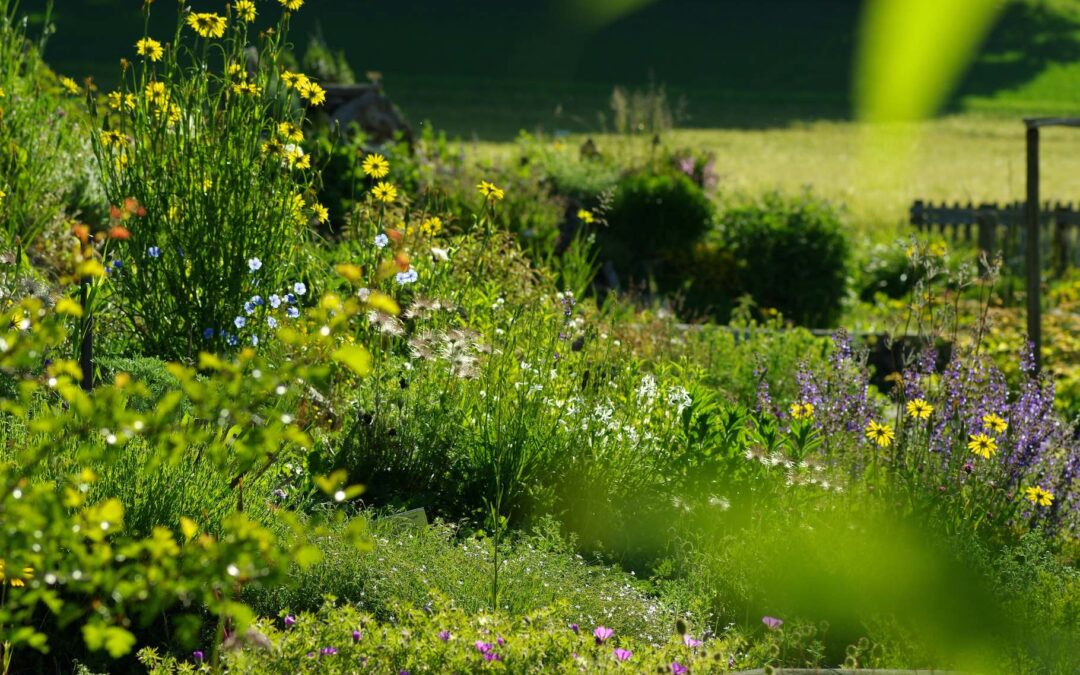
(113,639)
(355,357)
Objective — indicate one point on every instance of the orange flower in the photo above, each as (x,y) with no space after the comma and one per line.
(81,231)
(119,232)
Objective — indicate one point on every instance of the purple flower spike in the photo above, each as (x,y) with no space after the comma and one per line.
(482,647)
(574,627)
(623,654)
(444,635)
(356,635)
(678,668)
(327,651)
(289,621)
(198,656)
(500,641)
(602,633)
(492,656)
(772,622)
(690,642)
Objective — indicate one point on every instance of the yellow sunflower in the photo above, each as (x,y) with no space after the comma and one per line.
(291,5)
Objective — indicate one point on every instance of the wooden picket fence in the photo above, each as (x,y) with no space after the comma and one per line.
(1000,228)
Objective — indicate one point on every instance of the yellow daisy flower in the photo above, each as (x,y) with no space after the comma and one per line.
(112,137)
(802,411)
(245,10)
(376,166)
(291,5)
(207,24)
(995,423)
(982,445)
(116,100)
(1038,496)
(919,409)
(70,85)
(313,93)
(431,226)
(586,216)
(492,192)
(320,212)
(290,132)
(882,434)
(150,48)
(295,80)
(249,88)
(385,192)
(3,195)
(156,93)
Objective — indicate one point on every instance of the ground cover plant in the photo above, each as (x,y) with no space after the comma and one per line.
(357,408)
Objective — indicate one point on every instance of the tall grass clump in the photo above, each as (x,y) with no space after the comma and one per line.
(204,135)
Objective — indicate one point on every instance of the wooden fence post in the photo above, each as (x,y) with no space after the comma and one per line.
(1034,274)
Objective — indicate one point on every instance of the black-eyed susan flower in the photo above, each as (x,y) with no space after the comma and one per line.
(376,166)
(384,192)
(117,100)
(245,10)
(27,574)
(207,24)
(156,93)
(491,192)
(1038,496)
(149,48)
(881,434)
(296,158)
(112,137)
(294,80)
(312,93)
(431,226)
(291,5)
(995,423)
(982,445)
(919,409)
(246,88)
(69,85)
(290,132)
(802,411)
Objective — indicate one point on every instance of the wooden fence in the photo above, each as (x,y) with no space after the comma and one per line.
(1002,228)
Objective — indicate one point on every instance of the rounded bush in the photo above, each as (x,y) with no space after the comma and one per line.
(653,224)
(791,254)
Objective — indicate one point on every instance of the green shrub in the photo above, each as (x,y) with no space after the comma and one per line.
(791,254)
(653,224)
